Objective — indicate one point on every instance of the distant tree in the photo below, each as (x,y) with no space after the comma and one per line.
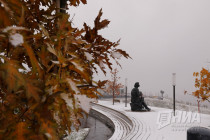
(113,86)
(46,99)
(202,83)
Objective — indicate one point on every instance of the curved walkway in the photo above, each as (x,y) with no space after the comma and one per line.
(126,128)
(143,125)
(122,123)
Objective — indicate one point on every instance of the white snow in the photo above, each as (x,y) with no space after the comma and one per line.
(173,131)
(168,103)
(116,55)
(55,62)
(68,101)
(50,49)
(22,71)
(48,135)
(84,102)
(77,66)
(48,17)
(16,39)
(2,54)
(88,56)
(97,52)
(80,135)
(8,28)
(101,64)
(26,67)
(72,85)
(2,60)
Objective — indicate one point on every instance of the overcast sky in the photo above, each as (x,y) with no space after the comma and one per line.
(162,37)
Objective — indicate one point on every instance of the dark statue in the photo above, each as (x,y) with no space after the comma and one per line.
(137,99)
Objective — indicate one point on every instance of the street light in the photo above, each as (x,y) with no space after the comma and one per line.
(174,84)
(62,5)
(126,92)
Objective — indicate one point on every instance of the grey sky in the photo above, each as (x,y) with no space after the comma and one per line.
(162,37)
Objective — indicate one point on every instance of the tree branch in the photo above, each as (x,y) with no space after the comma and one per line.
(23,114)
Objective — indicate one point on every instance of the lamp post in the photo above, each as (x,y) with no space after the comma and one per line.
(174,84)
(126,92)
(62,5)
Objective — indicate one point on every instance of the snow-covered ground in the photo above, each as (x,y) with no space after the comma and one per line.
(78,135)
(160,123)
(168,103)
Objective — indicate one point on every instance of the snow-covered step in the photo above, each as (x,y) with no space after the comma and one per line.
(122,123)
(145,131)
(126,128)
(136,130)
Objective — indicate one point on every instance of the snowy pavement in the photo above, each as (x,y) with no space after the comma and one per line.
(158,124)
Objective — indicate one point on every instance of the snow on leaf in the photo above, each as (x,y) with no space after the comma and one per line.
(45,32)
(88,56)
(48,17)
(2,60)
(50,49)
(8,28)
(77,66)
(116,55)
(26,67)
(68,101)
(22,71)
(101,64)
(84,102)
(97,52)
(55,62)
(48,135)
(72,85)
(16,39)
